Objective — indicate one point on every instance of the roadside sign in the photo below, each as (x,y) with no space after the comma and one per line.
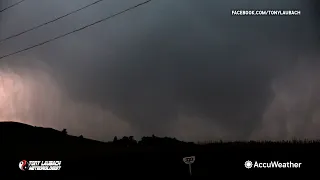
(189,161)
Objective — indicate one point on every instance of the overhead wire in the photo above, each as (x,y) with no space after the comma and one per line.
(76,30)
(11,6)
(48,22)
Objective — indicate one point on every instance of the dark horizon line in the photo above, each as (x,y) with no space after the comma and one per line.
(293,140)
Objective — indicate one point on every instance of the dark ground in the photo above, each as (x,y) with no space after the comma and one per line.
(152,156)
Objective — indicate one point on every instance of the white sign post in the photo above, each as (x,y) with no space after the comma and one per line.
(189,161)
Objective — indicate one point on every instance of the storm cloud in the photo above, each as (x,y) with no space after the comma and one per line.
(180,68)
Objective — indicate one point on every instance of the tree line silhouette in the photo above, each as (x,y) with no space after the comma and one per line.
(149,155)
(129,141)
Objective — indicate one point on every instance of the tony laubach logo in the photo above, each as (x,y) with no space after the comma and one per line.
(39,165)
(24,165)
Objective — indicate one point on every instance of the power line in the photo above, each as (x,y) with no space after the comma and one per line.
(51,21)
(76,30)
(2,10)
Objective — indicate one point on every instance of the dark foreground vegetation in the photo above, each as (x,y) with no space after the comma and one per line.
(151,156)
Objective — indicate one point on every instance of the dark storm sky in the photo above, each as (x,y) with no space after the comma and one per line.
(181,68)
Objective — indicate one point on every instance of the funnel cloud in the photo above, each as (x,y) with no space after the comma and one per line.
(180,68)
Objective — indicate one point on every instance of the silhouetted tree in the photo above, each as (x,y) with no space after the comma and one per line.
(132,141)
(130,138)
(81,136)
(64,131)
(126,141)
(115,139)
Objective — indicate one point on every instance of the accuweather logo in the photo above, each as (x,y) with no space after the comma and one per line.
(272,164)
(40,165)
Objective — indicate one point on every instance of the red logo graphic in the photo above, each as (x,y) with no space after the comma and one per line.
(23,165)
